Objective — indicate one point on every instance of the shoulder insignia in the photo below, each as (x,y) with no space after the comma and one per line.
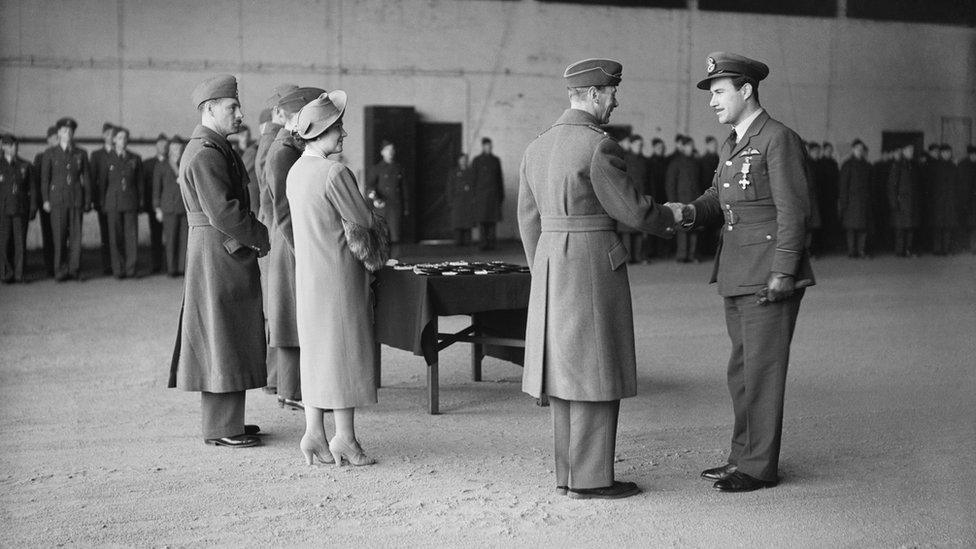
(597,129)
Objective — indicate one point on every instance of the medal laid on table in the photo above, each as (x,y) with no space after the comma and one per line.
(746,166)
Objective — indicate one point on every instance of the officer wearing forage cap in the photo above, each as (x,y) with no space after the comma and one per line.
(220,345)
(269,130)
(579,343)
(280,298)
(44,217)
(762,266)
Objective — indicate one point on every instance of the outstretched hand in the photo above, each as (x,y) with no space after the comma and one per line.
(676,208)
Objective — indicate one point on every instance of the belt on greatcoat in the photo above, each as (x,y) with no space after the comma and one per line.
(578,223)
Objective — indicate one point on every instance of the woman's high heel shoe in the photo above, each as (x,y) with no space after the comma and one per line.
(312,450)
(352,453)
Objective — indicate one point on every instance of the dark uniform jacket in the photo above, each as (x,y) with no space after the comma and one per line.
(657,169)
(16,196)
(460,198)
(249,157)
(854,199)
(65,177)
(708,163)
(124,183)
(281,306)
(98,164)
(264,214)
(573,189)
(943,198)
(813,192)
(221,346)
(902,194)
(146,190)
(967,188)
(765,226)
(166,193)
(489,188)
(683,179)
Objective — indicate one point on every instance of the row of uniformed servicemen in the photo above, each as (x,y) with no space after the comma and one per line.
(63,183)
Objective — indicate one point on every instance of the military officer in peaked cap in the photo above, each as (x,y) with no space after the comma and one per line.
(762,265)
(44,217)
(67,194)
(271,124)
(220,346)
(579,342)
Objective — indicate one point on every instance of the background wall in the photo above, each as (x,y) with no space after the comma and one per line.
(494,66)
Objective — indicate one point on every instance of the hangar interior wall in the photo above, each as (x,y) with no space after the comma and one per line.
(493,66)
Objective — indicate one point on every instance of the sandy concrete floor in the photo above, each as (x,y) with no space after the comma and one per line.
(880,430)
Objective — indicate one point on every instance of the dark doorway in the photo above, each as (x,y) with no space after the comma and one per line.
(397,125)
(438,147)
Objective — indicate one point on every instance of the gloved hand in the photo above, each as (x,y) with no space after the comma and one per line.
(778,287)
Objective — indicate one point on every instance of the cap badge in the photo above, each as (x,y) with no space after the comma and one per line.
(710,65)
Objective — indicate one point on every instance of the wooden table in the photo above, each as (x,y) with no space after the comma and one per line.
(408,306)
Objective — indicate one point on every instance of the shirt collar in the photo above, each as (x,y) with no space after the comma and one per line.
(743,126)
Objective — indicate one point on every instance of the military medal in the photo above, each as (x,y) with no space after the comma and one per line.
(746,166)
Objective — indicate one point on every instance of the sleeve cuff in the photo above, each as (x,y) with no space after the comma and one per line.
(785,261)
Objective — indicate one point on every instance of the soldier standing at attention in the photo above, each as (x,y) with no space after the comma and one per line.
(146,201)
(943,203)
(44,217)
(67,193)
(460,194)
(880,235)
(167,202)
(854,199)
(99,180)
(17,205)
(280,310)
(120,202)
(220,346)
(903,201)
(683,183)
(579,341)
(385,187)
(489,193)
(272,124)
(967,188)
(762,267)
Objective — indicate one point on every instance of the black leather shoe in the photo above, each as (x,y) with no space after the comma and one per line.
(738,481)
(251,430)
(617,490)
(719,473)
(239,441)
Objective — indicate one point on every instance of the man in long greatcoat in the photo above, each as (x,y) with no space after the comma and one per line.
(579,342)
(280,309)
(220,347)
(489,193)
(903,204)
(854,199)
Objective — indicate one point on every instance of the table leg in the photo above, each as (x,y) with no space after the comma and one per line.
(433,389)
(377,366)
(477,355)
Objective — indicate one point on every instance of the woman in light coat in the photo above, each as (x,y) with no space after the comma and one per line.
(338,242)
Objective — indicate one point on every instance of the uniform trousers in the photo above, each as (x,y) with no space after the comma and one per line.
(288,373)
(941,240)
(488,235)
(12,234)
(47,241)
(687,243)
(857,241)
(223,414)
(106,247)
(174,236)
(904,241)
(585,439)
(156,242)
(66,232)
(123,242)
(761,337)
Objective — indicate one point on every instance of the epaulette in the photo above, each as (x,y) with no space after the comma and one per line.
(598,129)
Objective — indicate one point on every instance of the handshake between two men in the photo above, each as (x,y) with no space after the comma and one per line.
(779,286)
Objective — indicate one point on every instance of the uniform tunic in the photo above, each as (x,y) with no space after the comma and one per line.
(854,199)
(120,203)
(335,324)
(387,181)
(683,179)
(166,196)
(282,323)
(17,204)
(460,197)
(221,344)
(489,188)
(573,189)
(902,191)
(943,200)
